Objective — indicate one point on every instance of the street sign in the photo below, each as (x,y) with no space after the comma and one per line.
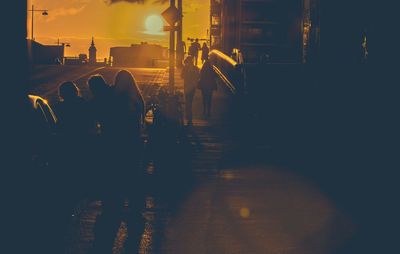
(171,15)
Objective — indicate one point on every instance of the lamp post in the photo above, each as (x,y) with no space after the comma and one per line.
(172,53)
(44,13)
(64,44)
(179,42)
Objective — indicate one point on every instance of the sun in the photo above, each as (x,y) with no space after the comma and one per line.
(154,24)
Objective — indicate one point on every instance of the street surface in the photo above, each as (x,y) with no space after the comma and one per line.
(223,202)
(47,80)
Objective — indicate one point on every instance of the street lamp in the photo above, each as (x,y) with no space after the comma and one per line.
(64,44)
(44,13)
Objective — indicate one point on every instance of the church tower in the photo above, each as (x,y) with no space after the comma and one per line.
(92,53)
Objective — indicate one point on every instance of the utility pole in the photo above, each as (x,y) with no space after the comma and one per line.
(171,15)
(179,45)
(172,53)
(32,14)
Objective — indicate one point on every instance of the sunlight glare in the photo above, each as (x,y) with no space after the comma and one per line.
(154,24)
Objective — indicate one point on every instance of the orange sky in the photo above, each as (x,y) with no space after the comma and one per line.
(121,24)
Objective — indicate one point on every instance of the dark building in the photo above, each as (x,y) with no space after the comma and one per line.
(215,23)
(259,28)
(138,55)
(45,54)
(92,53)
(348,33)
(81,59)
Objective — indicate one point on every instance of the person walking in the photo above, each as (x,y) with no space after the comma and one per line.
(207,85)
(196,48)
(130,113)
(205,50)
(190,75)
(121,111)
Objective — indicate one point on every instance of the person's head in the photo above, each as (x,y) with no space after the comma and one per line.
(197,40)
(204,45)
(125,83)
(68,90)
(98,85)
(189,60)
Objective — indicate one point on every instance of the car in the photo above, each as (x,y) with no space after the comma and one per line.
(44,112)
(42,127)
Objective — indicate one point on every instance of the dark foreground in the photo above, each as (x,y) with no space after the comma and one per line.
(220,189)
(244,181)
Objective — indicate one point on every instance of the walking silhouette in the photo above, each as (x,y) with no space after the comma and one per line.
(207,85)
(205,50)
(190,75)
(122,117)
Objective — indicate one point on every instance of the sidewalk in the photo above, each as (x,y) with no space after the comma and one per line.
(248,207)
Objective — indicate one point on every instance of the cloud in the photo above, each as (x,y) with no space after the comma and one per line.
(62,12)
(137,1)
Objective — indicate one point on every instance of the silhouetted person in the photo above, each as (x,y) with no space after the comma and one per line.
(131,103)
(190,74)
(125,177)
(194,50)
(191,51)
(131,109)
(72,111)
(205,50)
(197,48)
(101,103)
(74,128)
(105,173)
(207,85)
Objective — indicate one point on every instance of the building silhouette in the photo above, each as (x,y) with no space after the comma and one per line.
(92,53)
(289,31)
(45,54)
(259,28)
(139,55)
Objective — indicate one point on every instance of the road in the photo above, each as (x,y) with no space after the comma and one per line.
(47,80)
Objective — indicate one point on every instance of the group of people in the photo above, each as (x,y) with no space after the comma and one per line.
(115,111)
(102,151)
(194,49)
(204,79)
(103,135)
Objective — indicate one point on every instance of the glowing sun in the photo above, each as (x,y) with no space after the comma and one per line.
(154,25)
